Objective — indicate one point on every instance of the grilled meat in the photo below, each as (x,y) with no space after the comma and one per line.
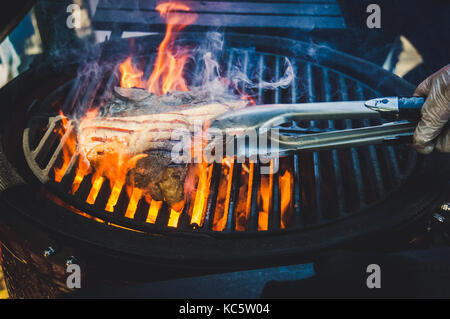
(149,131)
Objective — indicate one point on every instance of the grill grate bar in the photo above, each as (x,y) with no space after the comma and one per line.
(294,86)
(265,214)
(51,126)
(233,196)
(318,185)
(275,219)
(261,68)
(327,91)
(94,83)
(297,180)
(311,96)
(162,220)
(184,222)
(275,213)
(254,214)
(393,160)
(72,96)
(355,160)
(277,95)
(372,151)
(245,68)
(230,63)
(297,191)
(334,153)
(339,183)
(309,205)
(112,80)
(212,198)
(58,149)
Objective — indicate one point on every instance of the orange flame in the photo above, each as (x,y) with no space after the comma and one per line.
(136,195)
(266,189)
(131,77)
(114,197)
(286,187)
(265,197)
(114,162)
(97,182)
(83,169)
(153,211)
(201,195)
(167,74)
(173,218)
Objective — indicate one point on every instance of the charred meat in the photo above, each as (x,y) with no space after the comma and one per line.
(138,122)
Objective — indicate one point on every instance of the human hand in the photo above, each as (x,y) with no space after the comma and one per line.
(430,132)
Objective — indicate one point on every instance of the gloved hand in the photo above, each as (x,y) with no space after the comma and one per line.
(430,132)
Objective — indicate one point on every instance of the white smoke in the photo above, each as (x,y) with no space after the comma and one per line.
(284,82)
(217,85)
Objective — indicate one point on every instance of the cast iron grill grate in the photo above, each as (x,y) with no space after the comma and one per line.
(310,189)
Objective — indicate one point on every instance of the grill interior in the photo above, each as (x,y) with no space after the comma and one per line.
(310,189)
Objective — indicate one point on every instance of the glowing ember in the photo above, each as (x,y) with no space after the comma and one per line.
(136,195)
(153,211)
(174,217)
(265,196)
(97,182)
(201,195)
(114,197)
(83,169)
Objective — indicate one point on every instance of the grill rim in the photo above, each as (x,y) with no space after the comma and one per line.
(235,251)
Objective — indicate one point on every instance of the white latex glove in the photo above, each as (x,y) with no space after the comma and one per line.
(430,132)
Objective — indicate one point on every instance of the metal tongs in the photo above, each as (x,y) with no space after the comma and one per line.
(264,119)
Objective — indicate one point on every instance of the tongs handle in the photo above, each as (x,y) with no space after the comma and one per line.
(383,133)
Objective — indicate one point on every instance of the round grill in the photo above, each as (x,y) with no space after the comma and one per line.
(315,199)
(316,187)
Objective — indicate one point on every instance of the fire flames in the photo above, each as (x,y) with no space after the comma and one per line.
(131,77)
(167,73)
(115,163)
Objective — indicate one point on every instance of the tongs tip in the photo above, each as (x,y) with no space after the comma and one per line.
(384,104)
